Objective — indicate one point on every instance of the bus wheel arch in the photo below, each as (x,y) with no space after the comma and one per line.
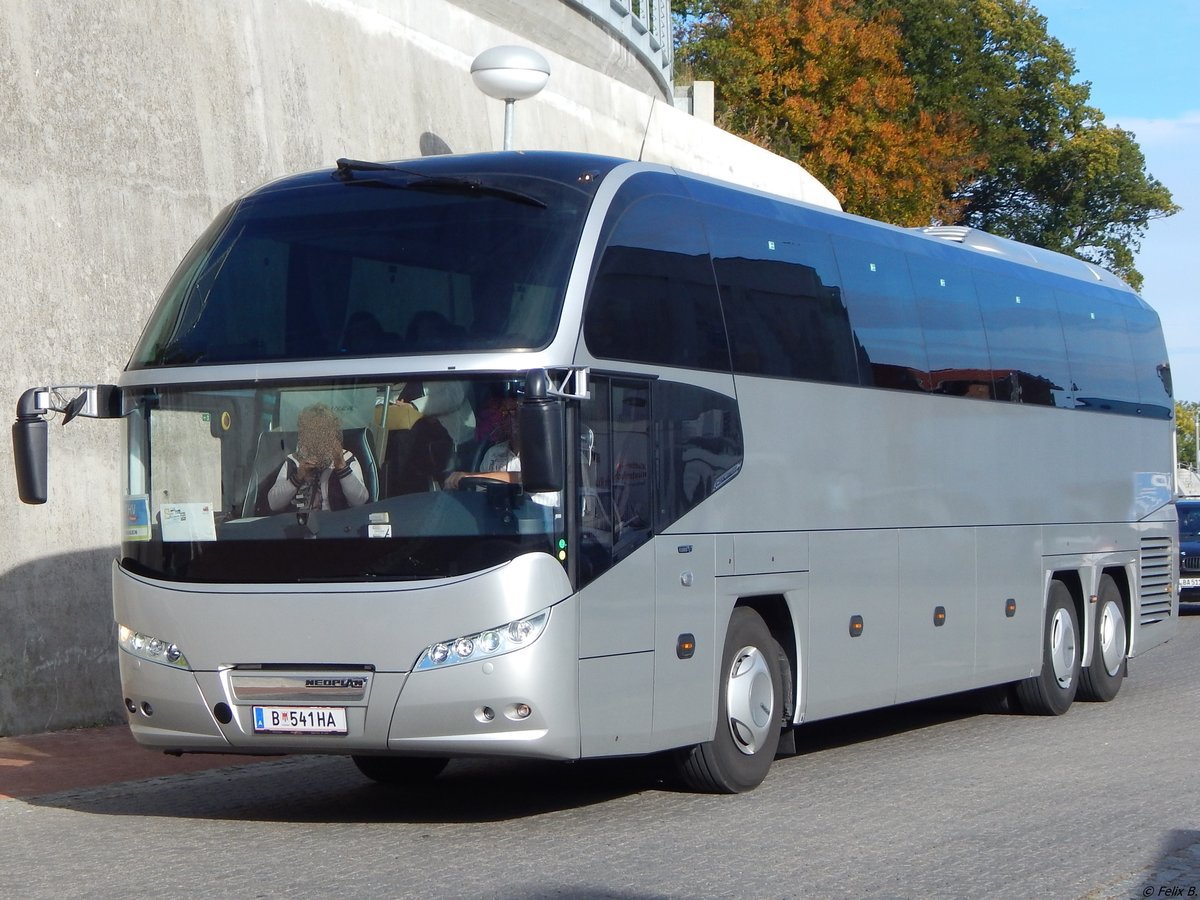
(1052,690)
(1102,679)
(749,704)
(777,615)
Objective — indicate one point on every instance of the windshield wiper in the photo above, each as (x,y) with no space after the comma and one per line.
(436,184)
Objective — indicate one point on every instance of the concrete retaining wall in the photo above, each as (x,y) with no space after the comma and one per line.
(125,125)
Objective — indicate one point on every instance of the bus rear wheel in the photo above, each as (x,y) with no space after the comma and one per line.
(1110,643)
(748,713)
(1051,692)
(401,771)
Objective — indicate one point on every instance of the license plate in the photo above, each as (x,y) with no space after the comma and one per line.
(1189,582)
(300,719)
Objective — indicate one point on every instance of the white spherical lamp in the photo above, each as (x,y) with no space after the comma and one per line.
(510,74)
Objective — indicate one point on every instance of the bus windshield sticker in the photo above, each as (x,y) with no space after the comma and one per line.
(188,522)
(137,517)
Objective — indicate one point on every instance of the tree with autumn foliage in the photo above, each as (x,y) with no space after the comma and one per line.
(812,81)
(920,111)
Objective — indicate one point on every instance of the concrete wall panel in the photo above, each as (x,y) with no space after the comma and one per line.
(125,125)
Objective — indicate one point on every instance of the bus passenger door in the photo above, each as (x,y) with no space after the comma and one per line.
(615,561)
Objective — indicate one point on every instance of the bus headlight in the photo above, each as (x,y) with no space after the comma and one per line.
(484,644)
(150,648)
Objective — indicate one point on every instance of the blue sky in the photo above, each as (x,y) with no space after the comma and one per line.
(1143,62)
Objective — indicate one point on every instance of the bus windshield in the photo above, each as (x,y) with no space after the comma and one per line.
(345,481)
(382,263)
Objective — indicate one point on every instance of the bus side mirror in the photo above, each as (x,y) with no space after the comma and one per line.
(29,449)
(29,432)
(541,425)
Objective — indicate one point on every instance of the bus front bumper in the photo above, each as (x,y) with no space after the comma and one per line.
(522,703)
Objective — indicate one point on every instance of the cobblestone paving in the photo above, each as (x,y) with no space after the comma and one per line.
(928,801)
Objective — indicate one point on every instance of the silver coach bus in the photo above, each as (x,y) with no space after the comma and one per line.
(622,460)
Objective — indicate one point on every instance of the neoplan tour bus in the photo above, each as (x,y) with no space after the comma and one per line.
(561,456)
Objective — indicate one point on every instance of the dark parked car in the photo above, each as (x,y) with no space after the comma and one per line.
(1189,549)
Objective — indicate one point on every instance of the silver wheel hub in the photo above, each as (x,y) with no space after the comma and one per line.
(1112,637)
(1062,648)
(750,700)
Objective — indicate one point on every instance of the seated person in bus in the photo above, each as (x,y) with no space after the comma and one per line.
(501,460)
(321,474)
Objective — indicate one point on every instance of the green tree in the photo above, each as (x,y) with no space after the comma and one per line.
(1186,414)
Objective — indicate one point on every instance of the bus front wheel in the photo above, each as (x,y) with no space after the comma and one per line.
(1110,643)
(1051,692)
(748,713)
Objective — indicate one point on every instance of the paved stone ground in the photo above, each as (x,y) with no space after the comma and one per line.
(926,801)
(38,764)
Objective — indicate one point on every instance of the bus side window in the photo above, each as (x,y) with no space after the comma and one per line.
(697,445)
(883,311)
(781,299)
(1025,340)
(952,326)
(655,268)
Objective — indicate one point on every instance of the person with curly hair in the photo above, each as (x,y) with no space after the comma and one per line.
(321,474)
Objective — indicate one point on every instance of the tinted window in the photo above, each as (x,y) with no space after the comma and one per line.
(953,329)
(783,308)
(653,298)
(698,447)
(879,295)
(1098,352)
(1025,340)
(1151,368)
(615,485)
(379,267)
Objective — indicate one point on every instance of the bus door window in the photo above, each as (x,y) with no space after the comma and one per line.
(614,484)
(631,468)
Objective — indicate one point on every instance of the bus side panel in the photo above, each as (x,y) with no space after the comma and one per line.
(685,681)
(615,704)
(854,574)
(616,662)
(937,611)
(616,611)
(1009,567)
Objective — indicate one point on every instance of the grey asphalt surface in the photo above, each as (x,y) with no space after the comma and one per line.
(931,800)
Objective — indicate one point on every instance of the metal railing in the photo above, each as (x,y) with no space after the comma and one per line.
(642,25)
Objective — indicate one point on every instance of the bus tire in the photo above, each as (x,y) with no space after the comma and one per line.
(749,713)
(401,771)
(1102,679)
(1051,692)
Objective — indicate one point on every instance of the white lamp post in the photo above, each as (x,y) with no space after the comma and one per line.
(510,74)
